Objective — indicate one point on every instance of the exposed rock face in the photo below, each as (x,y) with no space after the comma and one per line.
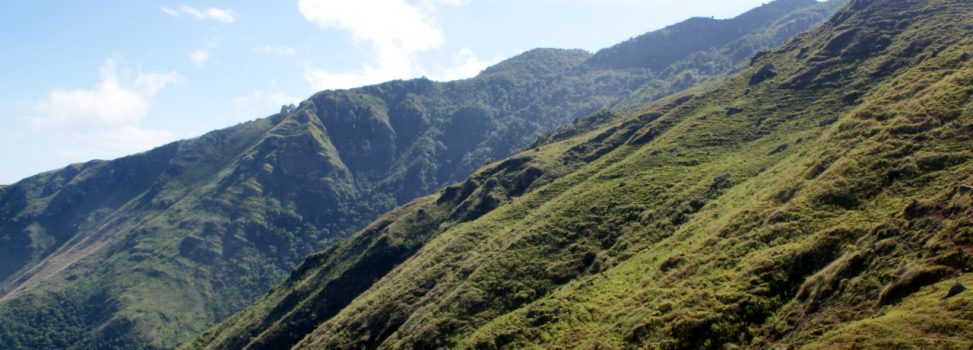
(765,72)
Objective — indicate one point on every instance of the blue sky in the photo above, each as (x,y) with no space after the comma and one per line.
(88,80)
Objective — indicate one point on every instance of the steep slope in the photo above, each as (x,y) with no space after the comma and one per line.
(822,198)
(148,250)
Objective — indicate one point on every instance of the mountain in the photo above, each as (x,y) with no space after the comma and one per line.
(726,52)
(149,250)
(822,198)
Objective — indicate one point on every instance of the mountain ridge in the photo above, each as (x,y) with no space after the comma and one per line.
(643,51)
(814,200)
(152,248)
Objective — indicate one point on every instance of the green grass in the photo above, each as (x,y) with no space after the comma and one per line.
(922,320)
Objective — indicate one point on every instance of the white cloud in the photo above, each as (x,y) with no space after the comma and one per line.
(387,24)
(454,2)
(211,13)
(431,6)
(284,51)
(321,79)
(170,12)
(394,30)
(260,104)
(149,83)
(105,119)
(199,57)
(120,97)
(465,65)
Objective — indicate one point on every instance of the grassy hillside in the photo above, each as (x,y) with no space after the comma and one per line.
(148,250)
(822,198)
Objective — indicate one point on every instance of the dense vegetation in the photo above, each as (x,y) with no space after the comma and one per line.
(149,250)
(822,198)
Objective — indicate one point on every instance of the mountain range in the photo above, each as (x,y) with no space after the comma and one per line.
(822,198)
(149,250)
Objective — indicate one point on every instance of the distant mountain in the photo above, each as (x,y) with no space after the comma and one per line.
(740,39)
(820,199)
(661,49)
(148,250)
